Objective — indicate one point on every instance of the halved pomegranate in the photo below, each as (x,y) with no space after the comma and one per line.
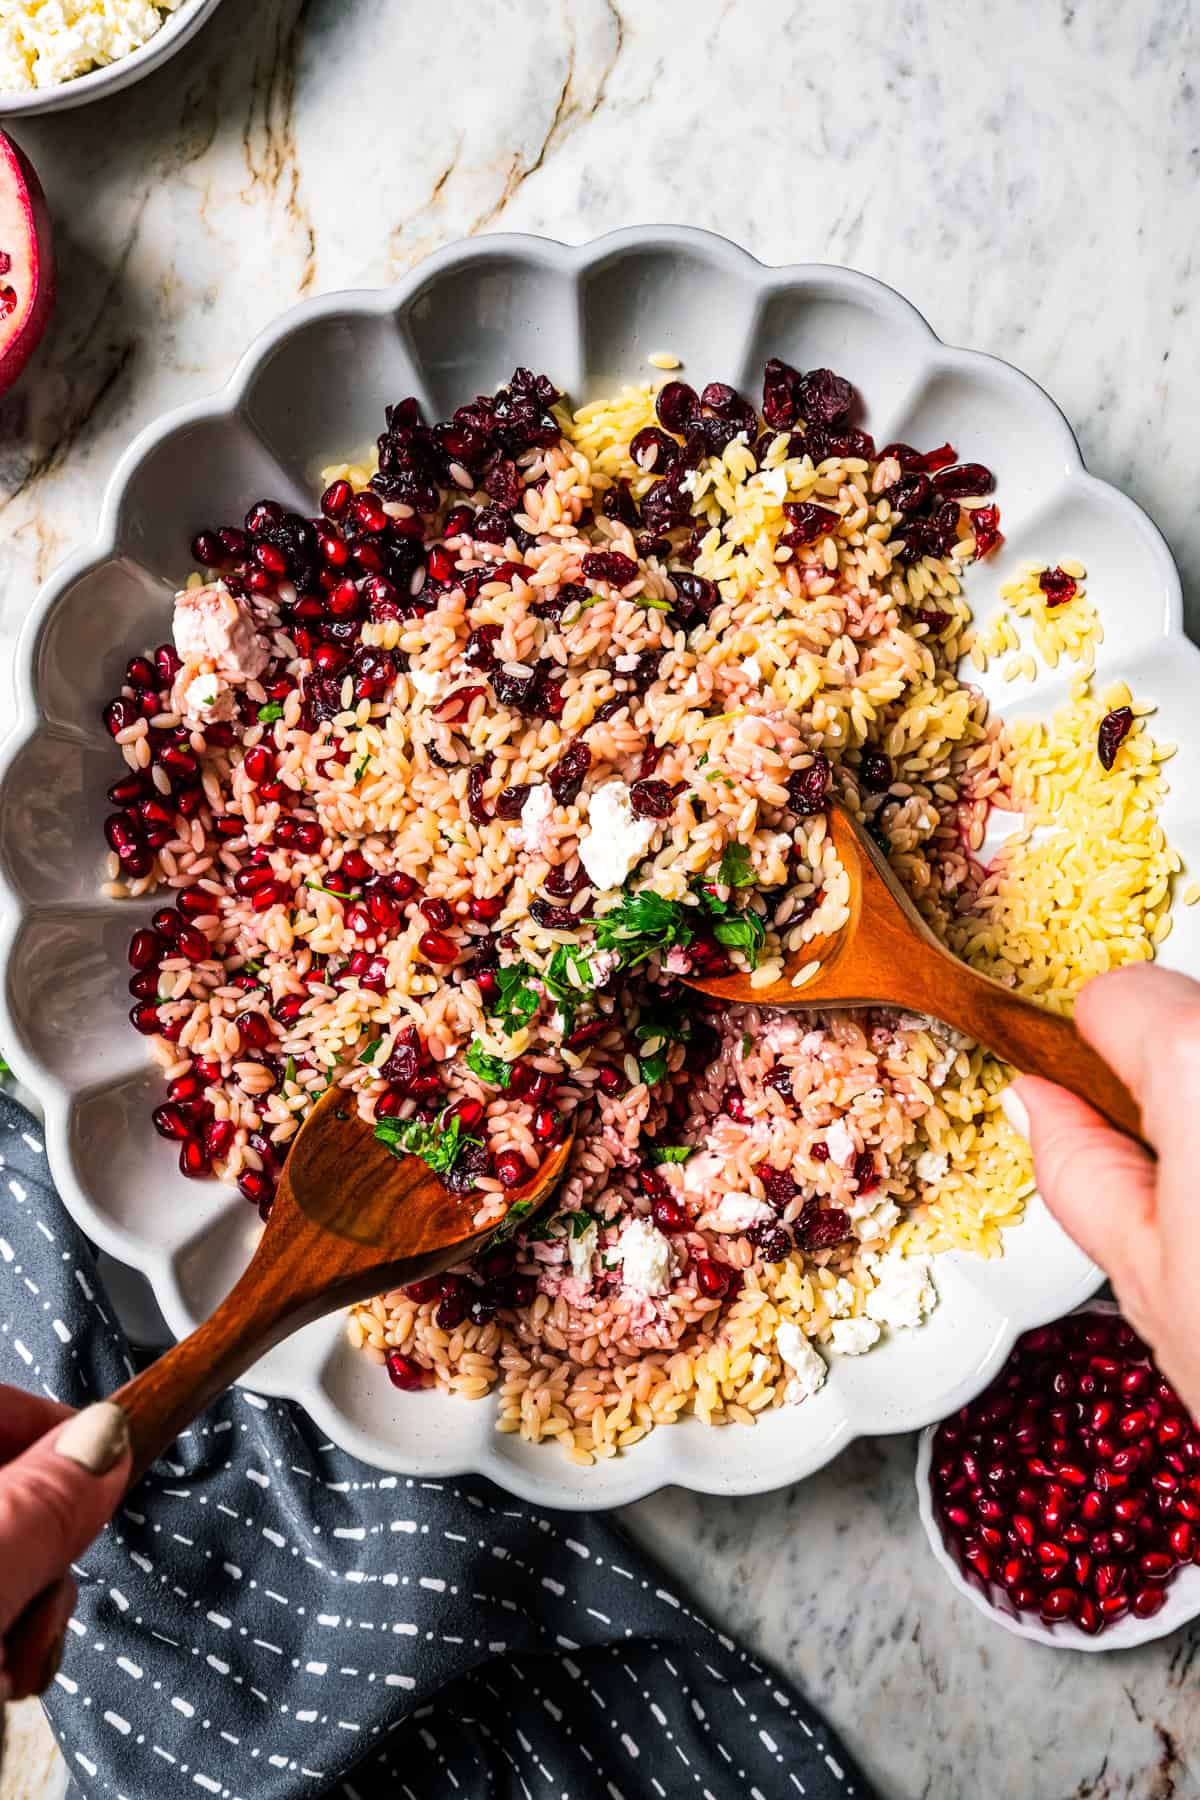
(26,262)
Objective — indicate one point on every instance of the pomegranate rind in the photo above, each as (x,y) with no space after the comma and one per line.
(25,233)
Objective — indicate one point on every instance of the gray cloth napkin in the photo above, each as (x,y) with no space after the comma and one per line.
(267,1617)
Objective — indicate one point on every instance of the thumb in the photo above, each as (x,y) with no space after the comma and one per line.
(1099,1184)
(55,1498)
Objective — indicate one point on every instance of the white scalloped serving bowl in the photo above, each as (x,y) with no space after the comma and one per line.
(989,1598)
(313,387)
(177,29)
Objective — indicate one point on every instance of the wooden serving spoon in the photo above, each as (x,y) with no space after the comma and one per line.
(349,1220)
(886,955)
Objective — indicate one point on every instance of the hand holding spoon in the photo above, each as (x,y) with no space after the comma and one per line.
(349,1220)
(886,955)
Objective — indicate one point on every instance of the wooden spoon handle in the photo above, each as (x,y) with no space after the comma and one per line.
(1036,1042)
(164,1399)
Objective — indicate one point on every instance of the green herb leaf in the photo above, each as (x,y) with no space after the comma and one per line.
(653,1069)
(643,924)
(362,768)
(654,603)
(371,1051)
(742,931)
(516,1002)
(439,1147)
(4,1068)
(671,1153)
(577,1222)
(747,1045)
(510,1224)
(492,1069)
(735,870)
(268,714)
(289,1069)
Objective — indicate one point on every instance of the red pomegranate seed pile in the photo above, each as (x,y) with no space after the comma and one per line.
(1073,1482)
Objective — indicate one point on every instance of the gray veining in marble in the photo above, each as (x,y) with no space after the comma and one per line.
(1025,171)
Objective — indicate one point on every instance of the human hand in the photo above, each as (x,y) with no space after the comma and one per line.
(62,1475)
(1137,1217)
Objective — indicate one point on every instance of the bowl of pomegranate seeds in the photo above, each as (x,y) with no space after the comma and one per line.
(478,663)
(1064,1501)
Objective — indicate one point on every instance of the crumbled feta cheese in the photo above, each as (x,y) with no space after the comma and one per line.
(581,1247)
(775,481)
(839,1299)
(753,668)
(535,818)
(853,1337)
(840,1140)
(615,838)
(624,664)
(207,697)
(211,626)
(738,1212)
(428,682)
(931,1165)
(871,1222)
(645,1257)
(939,1070)
(803,1359)
(700,1172)
(903,1293)
(807,1363)
(46,42)
(679,962)
(603,965)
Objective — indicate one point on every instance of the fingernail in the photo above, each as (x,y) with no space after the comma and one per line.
(1014,1111)
(96,1438)
(49,1667)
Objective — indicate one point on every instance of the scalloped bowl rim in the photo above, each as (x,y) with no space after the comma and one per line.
(629,1477)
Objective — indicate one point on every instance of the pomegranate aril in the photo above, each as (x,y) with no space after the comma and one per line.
(404,1372)
(1059,1603)
(218,1136)
(193,1159)
(169,1122)
(1147,1601)
(512,1169)
(436,947)
(144,1018)
(257,1186)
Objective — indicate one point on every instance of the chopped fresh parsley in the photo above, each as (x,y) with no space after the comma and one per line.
(289,1071)
(362,768)
(642,925)
(492,1069)
(268,714)
(371,1051)
(439,1147)
(510,1224)
(654,603)
(568,976)
(743,931)
(671,1153)
(735,870)
(577,1222)
(660,1025)
(317,888)
(747,1045)
(517,1001)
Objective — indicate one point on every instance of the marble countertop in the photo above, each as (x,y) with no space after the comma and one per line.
(1025,172)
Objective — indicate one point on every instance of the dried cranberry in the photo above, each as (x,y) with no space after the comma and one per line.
(936,621)
(963,480)
(567,776)
(807,788)
(677,406)
(695,598)
(610,566)
(864,1172)
(476,804)
(653,451)
(875,771)
(781,394)
(479,651)
(985,526)
(668,504)
(1114,728)
(493,525)
(819,1228)
(778,1186)
(1058,586)
(510,800)
(773,1242)
(552,918)
(652,799)
(809,522)
(619,504)
(911,494)
(781,1081)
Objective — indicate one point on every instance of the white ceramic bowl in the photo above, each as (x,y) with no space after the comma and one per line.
(314,387)
(172,35)
(989,1598)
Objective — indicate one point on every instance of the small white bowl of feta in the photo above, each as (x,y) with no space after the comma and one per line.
(58,54)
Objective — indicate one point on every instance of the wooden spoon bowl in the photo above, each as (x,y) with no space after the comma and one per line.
(349,1220)
(886,955)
